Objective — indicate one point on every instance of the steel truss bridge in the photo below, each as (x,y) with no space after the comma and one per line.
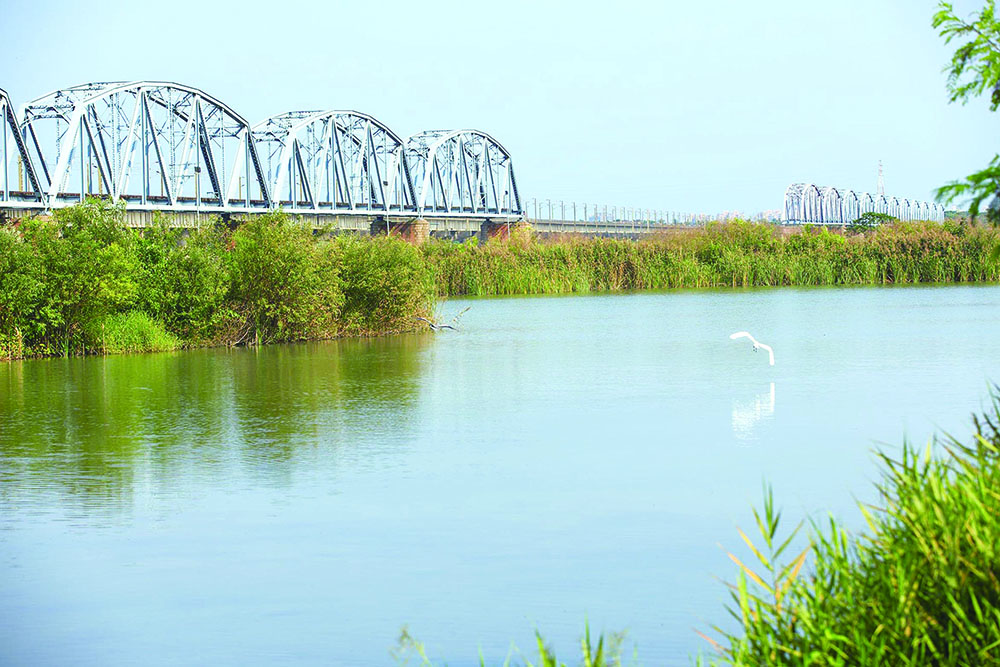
(162,146)
(808,203)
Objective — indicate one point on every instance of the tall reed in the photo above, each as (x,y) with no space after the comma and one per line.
(736,254)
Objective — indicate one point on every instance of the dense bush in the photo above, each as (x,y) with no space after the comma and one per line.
(870,220)
(62,276)
(276,283)
(81,281)
(185,280)
(384,283)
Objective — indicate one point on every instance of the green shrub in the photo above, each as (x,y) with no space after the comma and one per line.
(134,331)
(65,280)
(870,220)
(185,280)
(275,283)
(22,295)
(84,269)
(384,283)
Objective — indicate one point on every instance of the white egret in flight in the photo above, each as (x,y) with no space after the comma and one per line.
(756,345)
(434,325)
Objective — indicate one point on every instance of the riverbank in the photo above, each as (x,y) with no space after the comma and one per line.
(736,254)
(82,282)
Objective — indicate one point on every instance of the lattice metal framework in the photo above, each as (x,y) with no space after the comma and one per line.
(334,160)
(153,144)
(832,204)
(18,181)
(462,172)
(803,201)
(807,203)
(850,205)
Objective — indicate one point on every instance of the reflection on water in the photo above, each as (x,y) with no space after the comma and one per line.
(748,414)
(92,429)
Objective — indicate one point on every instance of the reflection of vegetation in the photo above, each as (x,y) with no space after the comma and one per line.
(90,427)
(739,254)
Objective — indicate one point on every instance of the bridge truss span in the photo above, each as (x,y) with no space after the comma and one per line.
(155,145)
(808,203)
(24,187)
(463,172)
(335,161)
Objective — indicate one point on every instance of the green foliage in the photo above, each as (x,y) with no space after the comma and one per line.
(921,588)
(974,70)
(275,280)
(68,274)
(134,331)
(385,283)
(186,281)
(739,254)
(869,221)
(84,282)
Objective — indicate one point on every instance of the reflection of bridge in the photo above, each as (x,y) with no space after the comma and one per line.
(162,146)
(805,202)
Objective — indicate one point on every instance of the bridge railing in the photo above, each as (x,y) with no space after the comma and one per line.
(556,210)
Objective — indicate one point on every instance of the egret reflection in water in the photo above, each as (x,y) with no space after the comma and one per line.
(748,414)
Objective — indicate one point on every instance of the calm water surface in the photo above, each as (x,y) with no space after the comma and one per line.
(555,460)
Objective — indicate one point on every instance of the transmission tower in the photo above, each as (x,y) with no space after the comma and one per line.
(880,186)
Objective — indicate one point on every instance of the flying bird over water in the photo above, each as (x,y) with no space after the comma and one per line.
(437,327)
(434,325)
(756,345)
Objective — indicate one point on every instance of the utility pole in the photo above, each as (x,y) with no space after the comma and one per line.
(880,186)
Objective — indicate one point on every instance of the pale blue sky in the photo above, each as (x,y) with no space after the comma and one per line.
(694,106)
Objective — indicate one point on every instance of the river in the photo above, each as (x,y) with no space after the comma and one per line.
(555,461)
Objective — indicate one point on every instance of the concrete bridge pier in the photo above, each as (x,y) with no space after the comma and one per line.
(497,230)
(415,231)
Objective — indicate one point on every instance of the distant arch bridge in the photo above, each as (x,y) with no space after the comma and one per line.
(808,203)
(165,146)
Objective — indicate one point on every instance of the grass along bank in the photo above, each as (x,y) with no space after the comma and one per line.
(737,254)
(82,282)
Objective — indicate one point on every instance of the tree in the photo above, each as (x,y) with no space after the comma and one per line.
(974,70)
(870,220)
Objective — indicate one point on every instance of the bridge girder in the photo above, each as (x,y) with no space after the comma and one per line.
(14,156)
(463,172)
(155,144)
(334,160)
